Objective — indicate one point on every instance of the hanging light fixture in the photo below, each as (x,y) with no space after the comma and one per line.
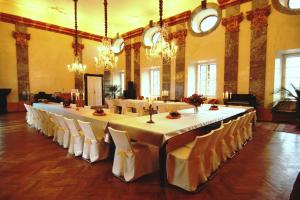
(160,43)
(105,56)
(76,66)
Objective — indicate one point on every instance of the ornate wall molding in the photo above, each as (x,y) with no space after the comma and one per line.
(127,49)
(259,17)
(21,39)
(134,33)
(232,24)
(136,47)
(13,19)
(180,36)
(228,3)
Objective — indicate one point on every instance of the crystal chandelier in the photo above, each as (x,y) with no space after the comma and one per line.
(161,47)
(76,66)
(105,56)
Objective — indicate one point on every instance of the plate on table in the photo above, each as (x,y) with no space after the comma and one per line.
(173,115)
(214,107)
(99,114)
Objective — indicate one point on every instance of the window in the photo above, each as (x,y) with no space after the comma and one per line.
(119,80)
(287,72)
(292,71)
(208,23)
(202,79)
(204,21)
(151,82)
(294,4)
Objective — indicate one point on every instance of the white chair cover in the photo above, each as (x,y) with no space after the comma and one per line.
(230,138)
(111,106)
(55,126)
(29,116)
(131,160)
(63,134)
(189,165)
(93,148)
(76,140)
(222,148)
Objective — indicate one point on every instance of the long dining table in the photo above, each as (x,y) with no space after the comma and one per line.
(157,133)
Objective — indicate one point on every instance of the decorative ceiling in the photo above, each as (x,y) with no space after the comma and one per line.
(123,15)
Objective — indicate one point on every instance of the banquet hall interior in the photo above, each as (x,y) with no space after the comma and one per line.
(160,99)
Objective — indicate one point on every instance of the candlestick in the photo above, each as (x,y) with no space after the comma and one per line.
(150,114)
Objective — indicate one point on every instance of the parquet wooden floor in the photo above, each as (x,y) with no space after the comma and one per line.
(33,167)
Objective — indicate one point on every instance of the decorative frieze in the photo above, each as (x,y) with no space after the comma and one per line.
(228,3)
(232,24)
(21,39)
(259,17)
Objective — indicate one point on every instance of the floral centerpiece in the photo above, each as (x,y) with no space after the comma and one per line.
(195,100)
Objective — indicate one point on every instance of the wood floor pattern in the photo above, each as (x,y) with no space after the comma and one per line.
(33,167)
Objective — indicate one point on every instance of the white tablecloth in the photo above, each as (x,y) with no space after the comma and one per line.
(164,128)
(99,123)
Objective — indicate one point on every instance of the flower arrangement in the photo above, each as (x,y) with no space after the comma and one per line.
(195,100)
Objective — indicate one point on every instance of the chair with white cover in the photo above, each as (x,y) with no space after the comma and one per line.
(111,106)
(251,124)
(222,148)
(63,135)
(237,132)
(73,105)
(54,128)
(125,108)
(29,116)
(230,138)
(36,119)
(188,166)
(46,122)
(76,139)
(132,160)
(161,108)
(94,148)
(244,128)
(240,131)
(87,107)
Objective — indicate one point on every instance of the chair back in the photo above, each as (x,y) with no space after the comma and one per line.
(201,144)
(161,108)
(87,130)
(26,107)
(120,139)
(72,126)
(226,129)
(124,107)
(87,107)
(216,133)
(61,121)
(110,103)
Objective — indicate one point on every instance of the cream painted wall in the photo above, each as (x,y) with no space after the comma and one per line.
(8,62)
(49,54)
(208,47)
(283,34)
(88,54)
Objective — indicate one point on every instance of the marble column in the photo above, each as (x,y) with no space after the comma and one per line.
(259,24)
(22,37)
(137,62)
(180,63)
(78,76)
(127,64)
(232,28)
